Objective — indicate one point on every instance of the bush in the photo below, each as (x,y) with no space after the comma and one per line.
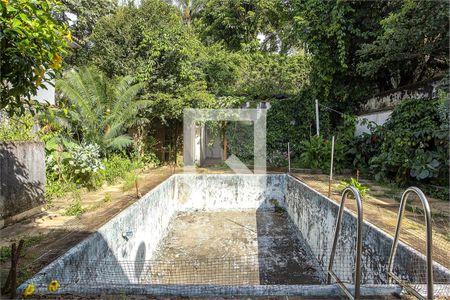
(83,162)
(413,143)
(16,128)
(316,154)
(117,167)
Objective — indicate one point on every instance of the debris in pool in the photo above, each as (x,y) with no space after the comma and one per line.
(127,234)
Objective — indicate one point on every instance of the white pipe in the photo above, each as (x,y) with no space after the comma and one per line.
(317,117)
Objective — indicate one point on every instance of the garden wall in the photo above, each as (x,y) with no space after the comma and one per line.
(378,108)
(22,179)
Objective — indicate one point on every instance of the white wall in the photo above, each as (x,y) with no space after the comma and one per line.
(46,95)
(378,118)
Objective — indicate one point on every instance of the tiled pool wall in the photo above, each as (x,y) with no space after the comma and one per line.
(134,234)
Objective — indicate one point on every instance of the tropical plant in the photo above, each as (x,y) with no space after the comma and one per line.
(412,143)
(32,45)
(99,111)
(189,8)
(362,190)
(315,153)
(83,162)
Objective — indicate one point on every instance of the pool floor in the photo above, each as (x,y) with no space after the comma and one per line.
(233,248)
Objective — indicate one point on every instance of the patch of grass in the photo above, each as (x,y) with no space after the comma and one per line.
(107,198)
(75,208)
(5,251)
(130,181)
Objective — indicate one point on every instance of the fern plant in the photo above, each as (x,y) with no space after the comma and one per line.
(100,110)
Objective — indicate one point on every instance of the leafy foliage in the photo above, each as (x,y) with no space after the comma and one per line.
(17,128)
(316,154)
(412,143)
(413,43)
(362,190)
(235,23)
(82,16)
(32,45)
(151,43)
(84,162)
(100,112)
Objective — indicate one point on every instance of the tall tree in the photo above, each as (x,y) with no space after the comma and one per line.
(333,32)
(82,15)
(413,44)
(236,23)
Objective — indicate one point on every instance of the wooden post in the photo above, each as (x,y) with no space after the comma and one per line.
(11,280)
(331,167)
(289,159)
(225,146)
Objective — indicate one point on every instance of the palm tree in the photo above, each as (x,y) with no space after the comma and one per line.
(189,8)
(98,110)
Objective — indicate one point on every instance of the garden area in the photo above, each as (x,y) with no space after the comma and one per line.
(117,75)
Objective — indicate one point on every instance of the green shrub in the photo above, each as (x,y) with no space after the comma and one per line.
(130,181)
(413,144)
(55,188)
(316,154)
(75,208)
(83,162)
(357,185)
(107,198)
(117,167)
(17,128)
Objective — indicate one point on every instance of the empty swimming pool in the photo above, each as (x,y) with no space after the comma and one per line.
(240,235)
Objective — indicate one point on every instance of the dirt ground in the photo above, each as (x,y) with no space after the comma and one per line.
(381,208)
(51,233)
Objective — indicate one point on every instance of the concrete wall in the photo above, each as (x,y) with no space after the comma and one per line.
(378,108)
(132,235)
(426,89)
(378,117)
(47,94)
(315,215)
(115,255)
(22,178)
(228,191)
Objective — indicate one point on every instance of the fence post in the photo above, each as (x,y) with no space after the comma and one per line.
(317,118)
(331,166)
(289,159)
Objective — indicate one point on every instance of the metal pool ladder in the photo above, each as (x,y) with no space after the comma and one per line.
(331,274)
(426,207)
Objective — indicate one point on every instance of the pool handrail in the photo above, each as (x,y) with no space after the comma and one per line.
(331,274)
(427,211)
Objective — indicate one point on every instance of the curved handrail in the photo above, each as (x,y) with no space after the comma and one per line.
(354,191)
(427,211)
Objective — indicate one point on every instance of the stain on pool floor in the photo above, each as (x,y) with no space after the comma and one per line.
(233,248)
